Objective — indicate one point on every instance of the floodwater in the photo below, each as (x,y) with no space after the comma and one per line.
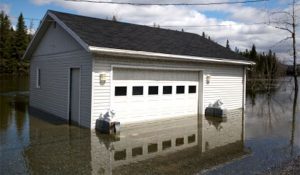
(267,134)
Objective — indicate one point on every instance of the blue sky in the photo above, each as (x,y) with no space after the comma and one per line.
(29,10)
(233,22)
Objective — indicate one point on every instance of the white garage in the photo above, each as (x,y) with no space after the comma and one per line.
(81,67)
(147,94)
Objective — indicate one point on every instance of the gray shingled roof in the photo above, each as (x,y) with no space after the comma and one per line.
(120,35)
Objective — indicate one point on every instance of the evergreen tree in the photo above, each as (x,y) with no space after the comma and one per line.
(203,35)
(5,36)
(114,18)
(253,53)
(21,38)
(236,50)
(227,45)
(246,53)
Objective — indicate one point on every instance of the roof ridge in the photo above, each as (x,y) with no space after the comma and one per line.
(126,23)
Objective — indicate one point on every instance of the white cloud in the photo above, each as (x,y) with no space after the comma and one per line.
(42,2)
(236,28)
(5,8)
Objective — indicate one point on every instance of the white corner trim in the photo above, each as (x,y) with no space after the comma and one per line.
(73,34)
(123,52)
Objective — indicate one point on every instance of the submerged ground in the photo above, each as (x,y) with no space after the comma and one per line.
(265,136)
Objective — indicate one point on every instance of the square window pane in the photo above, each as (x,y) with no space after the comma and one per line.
(167,90)
(191,138)
(120,155)
(152,148)
(192,89)
(137,151)
(137,90)
(166,144)
(153,90)
(179,141)
(180,90)
(120,91)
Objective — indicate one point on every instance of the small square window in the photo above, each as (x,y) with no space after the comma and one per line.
(191,138)
(167,90)
(152,148)
(137,90)
(153,90)
(137,151)
(192,89)
(179,141)
(166,144)
(120,155)
(120,91)
(180,90)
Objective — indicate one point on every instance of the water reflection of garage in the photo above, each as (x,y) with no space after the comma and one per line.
(173,141)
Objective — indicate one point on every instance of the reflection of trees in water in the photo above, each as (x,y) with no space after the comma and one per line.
(13,109)
(293,128)
(268,109)
(274,105)
(20,106)
(13,101)
(6,116)
(278,84)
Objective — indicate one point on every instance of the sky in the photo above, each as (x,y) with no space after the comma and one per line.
(242,24)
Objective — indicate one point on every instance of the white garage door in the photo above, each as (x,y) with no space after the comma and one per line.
(146,94)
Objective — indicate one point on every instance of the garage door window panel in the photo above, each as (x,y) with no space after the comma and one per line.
(179,89)
(137,90)
(120,91)
(153,90)
(167,90)
(192,89)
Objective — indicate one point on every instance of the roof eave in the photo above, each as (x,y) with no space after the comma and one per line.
(153,55)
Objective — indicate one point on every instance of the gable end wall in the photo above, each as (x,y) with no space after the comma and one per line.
(56,53)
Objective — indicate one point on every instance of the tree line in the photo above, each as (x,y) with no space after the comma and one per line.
(265,74)
(13,43)
(267,64)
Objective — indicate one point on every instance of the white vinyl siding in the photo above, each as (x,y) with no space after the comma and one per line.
(56,54)
(226,82)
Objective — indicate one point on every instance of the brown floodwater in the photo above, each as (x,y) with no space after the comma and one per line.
(249,142)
